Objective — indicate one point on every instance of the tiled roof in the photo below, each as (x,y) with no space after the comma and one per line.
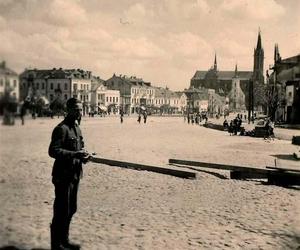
(224,75)
(57,73)
(7,71)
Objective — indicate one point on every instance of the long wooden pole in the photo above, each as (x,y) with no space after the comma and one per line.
(136,166)
(218,166)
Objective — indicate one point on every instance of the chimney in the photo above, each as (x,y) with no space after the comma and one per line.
(3,65)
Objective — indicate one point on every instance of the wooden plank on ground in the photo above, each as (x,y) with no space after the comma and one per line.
(136,166)
(243,175)
(284,169)
(283,178)
(219,166)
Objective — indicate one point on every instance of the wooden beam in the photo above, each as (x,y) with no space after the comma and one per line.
(219,166)
(243,175)
(284,169)
(283,178)
(136,166)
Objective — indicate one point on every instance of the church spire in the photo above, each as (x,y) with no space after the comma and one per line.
(259,41)
(258,67)
(276,53)
(215,62)
(236,70)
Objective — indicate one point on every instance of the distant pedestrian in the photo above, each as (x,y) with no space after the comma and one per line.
(121,115)
(139,118)
(23,113)
(145,117)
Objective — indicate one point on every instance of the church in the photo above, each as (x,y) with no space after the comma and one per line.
(232,84)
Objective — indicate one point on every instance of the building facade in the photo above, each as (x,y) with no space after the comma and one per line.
(286,79)
(134,92)
(9,82)
(54,84)
(103,99)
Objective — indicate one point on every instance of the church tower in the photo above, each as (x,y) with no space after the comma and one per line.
(215,63)
(258,68)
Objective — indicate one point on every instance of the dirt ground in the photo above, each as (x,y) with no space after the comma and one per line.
(128,209)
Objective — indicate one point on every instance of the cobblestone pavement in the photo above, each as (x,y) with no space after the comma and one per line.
(127,209)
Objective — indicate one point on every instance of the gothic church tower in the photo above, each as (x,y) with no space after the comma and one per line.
(258,68)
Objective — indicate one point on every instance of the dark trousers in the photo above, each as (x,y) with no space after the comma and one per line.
(65,206)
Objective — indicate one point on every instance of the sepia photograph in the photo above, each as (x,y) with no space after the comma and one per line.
(149,124)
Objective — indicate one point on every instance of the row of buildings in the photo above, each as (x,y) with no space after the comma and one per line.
(116,93)
(213,91)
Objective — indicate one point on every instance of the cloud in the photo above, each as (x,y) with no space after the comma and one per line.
(140,48)
(254,9)
(186,44)
(66,12)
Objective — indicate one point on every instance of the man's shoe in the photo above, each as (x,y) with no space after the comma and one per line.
(71,245)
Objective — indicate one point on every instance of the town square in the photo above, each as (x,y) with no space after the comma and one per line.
(149,124)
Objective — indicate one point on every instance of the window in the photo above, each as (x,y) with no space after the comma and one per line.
(81,97)
(107,99)
(7,83)
(51,98)
(116,99)
(43,85)
(110,99)
(66,86)
(81,87)
(51,85)
(15,83)
(58,85)
(113,99)
(87,87)
(99,96)
(66,97)
(37,85)
(75,86)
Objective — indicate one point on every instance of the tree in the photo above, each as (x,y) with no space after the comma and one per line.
(8,107)
(57,106)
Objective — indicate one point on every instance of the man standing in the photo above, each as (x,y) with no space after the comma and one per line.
(66,148)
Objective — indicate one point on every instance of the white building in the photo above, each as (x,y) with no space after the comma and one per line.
(103,99)
(9,81)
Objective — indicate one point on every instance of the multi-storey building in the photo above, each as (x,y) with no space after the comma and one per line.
(57,83)
(103,99)
(9,82)
(134,92)
(284,101)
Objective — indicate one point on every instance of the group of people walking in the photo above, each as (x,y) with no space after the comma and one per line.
(195,118)
(235,125)
(145,115)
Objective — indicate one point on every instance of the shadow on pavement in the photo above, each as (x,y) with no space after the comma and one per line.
(220,176)
(17,248)
(286,157)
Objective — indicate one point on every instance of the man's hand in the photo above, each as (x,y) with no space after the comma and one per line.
(85,159)
(81,154)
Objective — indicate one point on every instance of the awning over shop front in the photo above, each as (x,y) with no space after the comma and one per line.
(102,107)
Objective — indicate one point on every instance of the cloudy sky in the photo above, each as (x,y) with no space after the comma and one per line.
(162,41)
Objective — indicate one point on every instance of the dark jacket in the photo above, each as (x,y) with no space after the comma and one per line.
(66,140)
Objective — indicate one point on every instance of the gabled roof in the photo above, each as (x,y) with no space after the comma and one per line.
(223,75)
(6,71)
(56,73)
